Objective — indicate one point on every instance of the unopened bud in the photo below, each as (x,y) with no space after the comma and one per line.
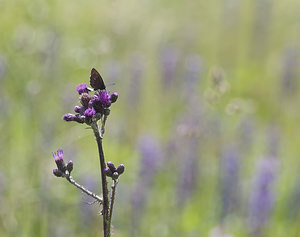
(108,172)
(111,166)
(70,166)
(113,97)
(115,175)
(77,109)
(106,111)
(120,169)
(85,99)
(58,173)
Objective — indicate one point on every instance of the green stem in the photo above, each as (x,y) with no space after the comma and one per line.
(112,200)
(106,222)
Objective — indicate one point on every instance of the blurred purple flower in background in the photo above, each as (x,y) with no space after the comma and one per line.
(289,72)
(194,71)
(229,180)
(169,57)
(262,196)
(151,156)
(187,154)
(136,73)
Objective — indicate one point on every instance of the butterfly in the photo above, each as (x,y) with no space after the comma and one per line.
(96,80)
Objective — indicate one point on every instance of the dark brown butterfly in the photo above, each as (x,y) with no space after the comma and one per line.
(96,80)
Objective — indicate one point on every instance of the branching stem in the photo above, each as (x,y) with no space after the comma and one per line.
(83,189)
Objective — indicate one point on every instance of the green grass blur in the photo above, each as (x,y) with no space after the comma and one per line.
(248,52)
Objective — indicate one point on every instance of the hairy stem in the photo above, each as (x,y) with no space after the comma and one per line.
(112,200)
(83,189)
(106,223)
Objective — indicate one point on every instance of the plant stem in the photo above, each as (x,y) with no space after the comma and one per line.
(112,200)
(106,223)
(83,189)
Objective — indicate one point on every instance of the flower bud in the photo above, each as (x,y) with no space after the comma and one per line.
(70,166)
(77,109)
(111,166)
(108,172)
(58,157)
(120,169)
(114,97)
(71,117)
(57,173)
(115,175)
(106,111)
(85,99)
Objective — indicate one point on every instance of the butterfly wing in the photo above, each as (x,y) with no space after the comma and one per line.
(96,80)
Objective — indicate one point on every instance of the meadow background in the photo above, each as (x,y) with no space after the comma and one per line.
(207,121)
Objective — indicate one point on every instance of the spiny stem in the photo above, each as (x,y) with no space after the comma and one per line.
(106,223)
(83,189)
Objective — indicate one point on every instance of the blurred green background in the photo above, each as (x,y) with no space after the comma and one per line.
(207,121)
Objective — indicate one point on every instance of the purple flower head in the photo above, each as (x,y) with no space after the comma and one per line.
(89,112)
(82,88)
(104,99)
(58,157)
(97,104)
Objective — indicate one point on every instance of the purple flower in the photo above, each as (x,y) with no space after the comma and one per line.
(58,157)
(82,88)
(97,105)
(89,112)
(100,101)
(262,196)
(104,98)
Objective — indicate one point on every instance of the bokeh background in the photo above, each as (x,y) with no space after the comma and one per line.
(207,121)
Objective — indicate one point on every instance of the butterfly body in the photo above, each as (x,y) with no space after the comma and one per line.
(96,80)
